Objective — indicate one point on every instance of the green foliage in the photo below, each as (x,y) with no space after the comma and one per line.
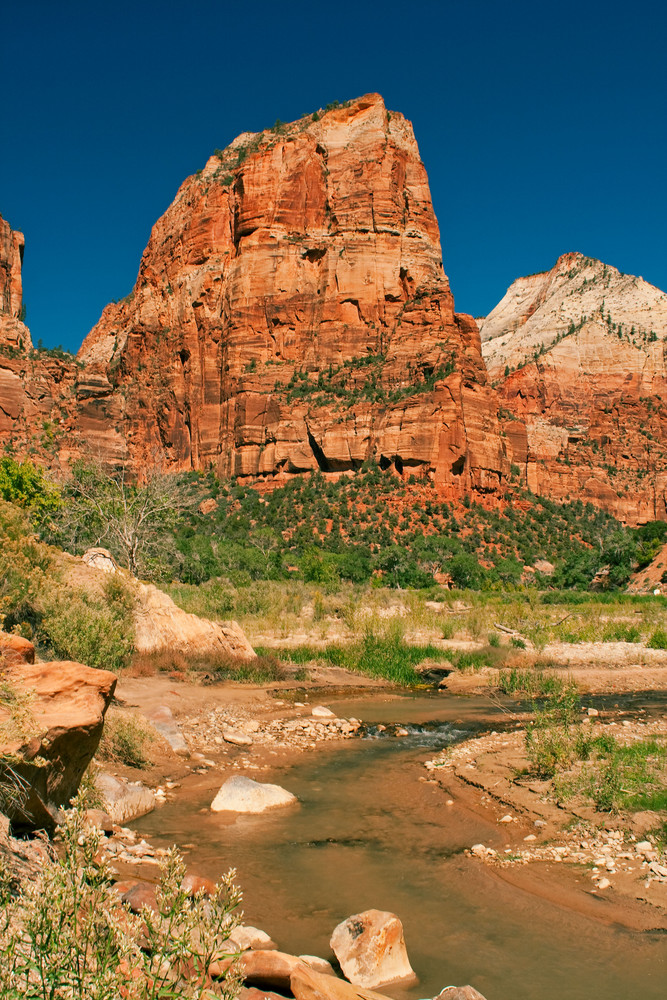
(25,565)
(24,484)
(382,654)
(555,738)
(531,683)
(67,937)
(125,740)
(658,639)
(95,630)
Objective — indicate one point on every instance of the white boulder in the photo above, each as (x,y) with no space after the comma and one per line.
(243,795)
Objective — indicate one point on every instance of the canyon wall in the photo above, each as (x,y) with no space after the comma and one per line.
(578,356)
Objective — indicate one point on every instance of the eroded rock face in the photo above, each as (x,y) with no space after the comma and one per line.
(370,948)
(578,354)
(291,312)
(13,332)
(57,735)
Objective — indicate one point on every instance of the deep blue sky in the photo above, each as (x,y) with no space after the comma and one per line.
(542,126)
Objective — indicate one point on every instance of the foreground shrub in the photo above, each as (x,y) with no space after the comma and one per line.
(67,937)
(97,631)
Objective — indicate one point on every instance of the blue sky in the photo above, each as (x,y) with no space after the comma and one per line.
(543,127)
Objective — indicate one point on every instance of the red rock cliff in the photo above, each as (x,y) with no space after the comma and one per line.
(291,311)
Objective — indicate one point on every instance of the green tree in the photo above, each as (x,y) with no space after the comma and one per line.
(24,484)
(135,519)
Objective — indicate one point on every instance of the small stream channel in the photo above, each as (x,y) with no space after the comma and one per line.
(368,833)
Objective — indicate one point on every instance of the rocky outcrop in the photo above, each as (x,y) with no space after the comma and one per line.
(291,313)
(161,625)
(37,388)
(14,334)
(49,731)
(578,358)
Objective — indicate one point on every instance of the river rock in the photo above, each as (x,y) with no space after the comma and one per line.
(239,794)
(321,712)
(247,938)
(318,964)
(371,948)
(124,800)
(307,984)
(98,819)
(193,884)
(139,895)
(236,738)
(268,968)
(459,993)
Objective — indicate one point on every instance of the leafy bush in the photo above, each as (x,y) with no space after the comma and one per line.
(67,937)
(555,738)
(658,640)
(125,739)
(25,565)
(97,631)
(25,484)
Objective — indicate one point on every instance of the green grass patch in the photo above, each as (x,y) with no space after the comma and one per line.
(531,683)
(375,656)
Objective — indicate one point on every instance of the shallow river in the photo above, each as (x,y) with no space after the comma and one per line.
(369,834)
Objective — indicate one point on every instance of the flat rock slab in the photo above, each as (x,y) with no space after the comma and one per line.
(163,720)
(371,949)
(307,984)
(243,795)
(321,712)
(236,738)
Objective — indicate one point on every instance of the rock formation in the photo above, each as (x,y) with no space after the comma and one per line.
(578,358)
(291,312)
(52,735)
(36,387)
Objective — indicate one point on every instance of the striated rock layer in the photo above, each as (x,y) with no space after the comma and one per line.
(578,355)
(291,312)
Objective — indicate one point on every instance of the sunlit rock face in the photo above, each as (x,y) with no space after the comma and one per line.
(292,312)
(577,355)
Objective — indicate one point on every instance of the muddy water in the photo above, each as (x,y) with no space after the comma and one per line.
(368,833)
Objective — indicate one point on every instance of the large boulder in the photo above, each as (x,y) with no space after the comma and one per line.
(51,736)
(268,968)
(370,948)
(243,795)
(159,624)
(15,649)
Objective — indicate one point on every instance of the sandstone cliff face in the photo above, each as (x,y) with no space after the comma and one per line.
(292,312)
(37,390)
(579,355)
(13,332)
